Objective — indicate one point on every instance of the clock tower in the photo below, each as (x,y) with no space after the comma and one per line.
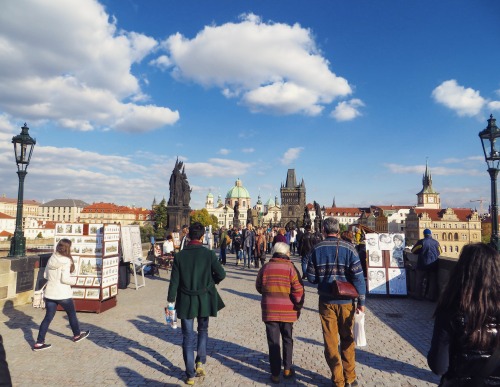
(427,197)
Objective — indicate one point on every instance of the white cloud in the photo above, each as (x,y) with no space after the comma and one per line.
(248,150)
(443,171)
(464,101)
(72,66)
(291,155)
(272,67)
(218,168)
(224,151)
(347,110)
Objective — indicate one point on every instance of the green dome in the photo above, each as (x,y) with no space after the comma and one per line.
(270,203)
(210,195)
(238,191)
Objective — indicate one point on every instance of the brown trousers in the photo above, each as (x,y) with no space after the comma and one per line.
(337,322)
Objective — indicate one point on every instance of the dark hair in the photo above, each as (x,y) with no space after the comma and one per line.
(169,237)
(64,248)
(473,290)
(308,227)
(331,226)
(196,231)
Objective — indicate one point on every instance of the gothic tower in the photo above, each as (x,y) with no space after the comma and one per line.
(427,197)
(293,200)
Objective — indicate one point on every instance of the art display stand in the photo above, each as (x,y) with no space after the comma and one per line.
(132,252)
(95,252)
(386,270)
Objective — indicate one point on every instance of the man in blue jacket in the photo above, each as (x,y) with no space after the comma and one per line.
(335,259)
(428,250)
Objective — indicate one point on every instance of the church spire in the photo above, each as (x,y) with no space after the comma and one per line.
(333,204)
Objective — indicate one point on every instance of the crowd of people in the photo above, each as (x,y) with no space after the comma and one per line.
(465,343)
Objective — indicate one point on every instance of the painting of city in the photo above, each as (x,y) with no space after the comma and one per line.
(90,267)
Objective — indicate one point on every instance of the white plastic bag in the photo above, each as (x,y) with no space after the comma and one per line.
(359,329)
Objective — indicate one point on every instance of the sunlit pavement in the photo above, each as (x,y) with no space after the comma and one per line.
(130,344)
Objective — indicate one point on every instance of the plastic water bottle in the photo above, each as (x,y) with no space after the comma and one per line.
(171,315)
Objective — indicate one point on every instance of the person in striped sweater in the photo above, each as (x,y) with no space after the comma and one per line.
(282,291)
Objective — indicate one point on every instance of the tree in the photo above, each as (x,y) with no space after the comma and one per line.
(343,227)
(146,231)
(204,218)
(160,217)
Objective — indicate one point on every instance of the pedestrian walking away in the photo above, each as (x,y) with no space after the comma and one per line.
(196,271)
(58,292)
(428,250)
(465,347)
(282,291)
(334,259)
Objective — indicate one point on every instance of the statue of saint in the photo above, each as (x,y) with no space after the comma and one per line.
(317,209)
(307,216)
(180,192)
(236,211)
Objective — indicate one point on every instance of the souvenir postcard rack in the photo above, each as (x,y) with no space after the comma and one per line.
(386,270)
(95,252)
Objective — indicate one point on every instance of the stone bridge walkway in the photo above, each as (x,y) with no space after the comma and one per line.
(130,345)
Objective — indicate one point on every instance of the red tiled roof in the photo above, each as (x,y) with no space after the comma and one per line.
(5,234)
(344,211)
(5,216)
(463,214)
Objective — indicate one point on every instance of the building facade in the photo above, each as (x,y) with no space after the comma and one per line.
(111,213)
(293,201)
(62,210)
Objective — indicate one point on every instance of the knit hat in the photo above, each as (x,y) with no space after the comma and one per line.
(427,232)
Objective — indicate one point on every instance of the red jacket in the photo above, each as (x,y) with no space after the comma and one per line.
(282,290)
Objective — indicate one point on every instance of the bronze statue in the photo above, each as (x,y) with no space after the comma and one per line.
(236,217)
(317,209)
(307,216)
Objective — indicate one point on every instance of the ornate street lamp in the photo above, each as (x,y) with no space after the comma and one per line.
(23,148)
(225,216)
(491,150)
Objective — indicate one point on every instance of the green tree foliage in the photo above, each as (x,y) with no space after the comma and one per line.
(343,227)
(146,231)
(204,218)
(159,215)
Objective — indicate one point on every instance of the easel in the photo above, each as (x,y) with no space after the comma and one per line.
(142,264)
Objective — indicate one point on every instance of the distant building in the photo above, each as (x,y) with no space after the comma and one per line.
(8,206)
(7,226)
(293,201)
(272,212)
(345,215)
(62,210)
(40,229)
(391,218)
(112,213)
(452,227)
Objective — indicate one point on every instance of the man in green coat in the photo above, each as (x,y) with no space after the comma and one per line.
(195,273)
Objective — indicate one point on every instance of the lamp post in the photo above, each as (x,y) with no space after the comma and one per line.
(225,216)
(23,148)
(488,138)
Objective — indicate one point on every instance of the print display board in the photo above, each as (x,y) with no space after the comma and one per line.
(131,243)
(95,252)
(385,264)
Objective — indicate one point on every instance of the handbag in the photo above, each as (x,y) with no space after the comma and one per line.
(38,298)
(343,290)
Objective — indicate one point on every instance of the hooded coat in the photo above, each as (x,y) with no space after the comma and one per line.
(57,273)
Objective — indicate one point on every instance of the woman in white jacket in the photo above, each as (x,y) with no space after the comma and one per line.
(58,292)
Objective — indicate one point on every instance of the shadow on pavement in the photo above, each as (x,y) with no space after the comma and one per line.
(241,360)
(255,296)
(132,378)
(105,338)
(399,367)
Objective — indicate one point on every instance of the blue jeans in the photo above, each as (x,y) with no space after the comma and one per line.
(50,312)
(239,254)
(247,253)
(188,343)
(222,257)
(304,265)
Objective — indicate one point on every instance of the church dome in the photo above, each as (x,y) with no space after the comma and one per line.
(238,191)
(270,202)
(210,195)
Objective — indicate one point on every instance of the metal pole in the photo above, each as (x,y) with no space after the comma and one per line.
(494,209)
(18,242)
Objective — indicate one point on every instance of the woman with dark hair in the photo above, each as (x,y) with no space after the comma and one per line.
(59,292)
(466,330)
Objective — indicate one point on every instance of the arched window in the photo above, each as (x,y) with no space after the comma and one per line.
(450,237)
(456,236)
(456,249)
(444,249)
(444,236)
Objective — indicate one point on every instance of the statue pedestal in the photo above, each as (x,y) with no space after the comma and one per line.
(177,216)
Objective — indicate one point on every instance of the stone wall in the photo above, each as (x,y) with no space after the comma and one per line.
(18,277)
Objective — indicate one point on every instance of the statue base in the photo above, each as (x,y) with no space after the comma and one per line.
(177,216)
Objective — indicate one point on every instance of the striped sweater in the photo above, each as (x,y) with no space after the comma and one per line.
(322,269)
(282,290)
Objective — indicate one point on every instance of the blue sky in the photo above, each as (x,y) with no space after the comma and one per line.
(354,95)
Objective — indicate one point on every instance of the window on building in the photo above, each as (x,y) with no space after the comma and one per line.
(456,236)
(444,236)
(444,249)
(456,249)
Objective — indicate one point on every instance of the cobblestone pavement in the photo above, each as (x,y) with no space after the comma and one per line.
(130,344)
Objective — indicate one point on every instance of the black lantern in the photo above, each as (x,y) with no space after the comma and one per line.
(489,137)
(23,148)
